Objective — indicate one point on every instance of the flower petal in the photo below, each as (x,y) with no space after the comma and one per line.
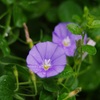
(60,33)
(61,30)
(59,68)
(31,61)
(50,50)
(34,68)
(59,52)
(51,72)
(71,49)
(42,74)
(47,53)
(76,37)
(56,39)
(61,60)
(41,48)
(34,52)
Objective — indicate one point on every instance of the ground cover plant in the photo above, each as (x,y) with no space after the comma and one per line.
(49,50)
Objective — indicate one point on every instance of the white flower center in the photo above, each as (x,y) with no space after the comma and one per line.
(47,64)
(66,41)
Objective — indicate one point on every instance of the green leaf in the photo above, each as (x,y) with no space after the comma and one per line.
(74,28)
(40,8)
(4,46)
(68,71)
(95,35)
(86,12)
(8,2)
(28,4)
(50,85)
(51,14)
(67,9)
(71,82)
(22,70)
(18,17)
(45,95)
(77,18)
(90,73)
(13,36)
(6,87)
(91,50)
(74,84)
(95,24)
(63,96)
(11,60)
(93,72)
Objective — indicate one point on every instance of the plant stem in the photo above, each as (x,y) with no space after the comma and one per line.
(16,76)
(30,95)
(7,27)
(17,58)
(1,16)
(18,97)
(24,83)
(64,87)
(33,78)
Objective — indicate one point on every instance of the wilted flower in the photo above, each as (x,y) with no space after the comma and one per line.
(46,59)
(65,39)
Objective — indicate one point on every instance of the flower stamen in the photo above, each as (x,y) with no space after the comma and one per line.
(66,41)
(46,64)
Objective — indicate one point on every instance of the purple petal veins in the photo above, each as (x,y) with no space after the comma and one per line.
(46,59)
(65,39)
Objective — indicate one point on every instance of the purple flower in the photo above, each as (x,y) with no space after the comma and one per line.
(46,59)
(65,39)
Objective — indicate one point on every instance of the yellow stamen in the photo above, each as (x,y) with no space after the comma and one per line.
(46,64)
(66,42)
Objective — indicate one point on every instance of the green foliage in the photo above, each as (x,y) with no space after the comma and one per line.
(18,16)
(28,4)
(74,28)
(6,87)
(89,49)
(44,95)
(67,9)
(50,85)
(93,72)
(11,60)
(8,2)
(39,8)
(68,71)
(13,36)
(63,96)
(4,46)
(51,14)
(95,24)
(44,15)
